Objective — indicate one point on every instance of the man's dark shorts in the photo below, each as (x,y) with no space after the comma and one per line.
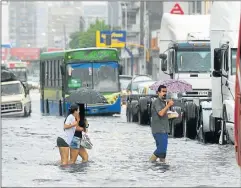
(161,144)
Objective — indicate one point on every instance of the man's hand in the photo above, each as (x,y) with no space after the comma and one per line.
(170,103)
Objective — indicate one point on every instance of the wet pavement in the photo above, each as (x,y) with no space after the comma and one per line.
(119,156)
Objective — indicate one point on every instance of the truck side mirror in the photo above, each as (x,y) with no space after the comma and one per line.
(217,59)
(163,56)
(164,65)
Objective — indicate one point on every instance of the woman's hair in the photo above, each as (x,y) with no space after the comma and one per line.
(73,108)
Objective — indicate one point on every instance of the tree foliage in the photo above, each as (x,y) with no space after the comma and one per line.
(87,38)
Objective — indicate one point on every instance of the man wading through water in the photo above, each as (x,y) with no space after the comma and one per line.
(160,124)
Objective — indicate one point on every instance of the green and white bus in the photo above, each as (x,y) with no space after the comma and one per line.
(62,72)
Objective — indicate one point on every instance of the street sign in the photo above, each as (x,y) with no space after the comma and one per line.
(177,9)
(114,39)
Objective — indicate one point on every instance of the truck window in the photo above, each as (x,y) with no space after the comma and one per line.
(233,61)
(188,61)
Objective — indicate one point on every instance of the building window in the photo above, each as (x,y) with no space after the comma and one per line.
(199,7)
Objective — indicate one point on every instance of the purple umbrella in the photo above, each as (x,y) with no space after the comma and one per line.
(173,86)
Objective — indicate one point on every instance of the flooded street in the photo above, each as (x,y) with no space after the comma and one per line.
(119,156)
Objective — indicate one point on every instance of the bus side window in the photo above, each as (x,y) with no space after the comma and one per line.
(59,73)
(49,73)
(53,73)
(46,73)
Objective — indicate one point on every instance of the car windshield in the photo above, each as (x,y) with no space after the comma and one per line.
(102,77)
(151,92)
(11,89)
(124,82)
(233,60)
(141,78)
(193,61)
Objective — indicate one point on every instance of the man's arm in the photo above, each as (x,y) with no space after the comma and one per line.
(161,109)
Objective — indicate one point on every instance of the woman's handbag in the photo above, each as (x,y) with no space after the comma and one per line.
(85,141)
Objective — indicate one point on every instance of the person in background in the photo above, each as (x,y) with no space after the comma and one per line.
(160,124)
(64,140)
(75,147)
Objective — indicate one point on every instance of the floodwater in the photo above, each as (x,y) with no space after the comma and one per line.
(119,156)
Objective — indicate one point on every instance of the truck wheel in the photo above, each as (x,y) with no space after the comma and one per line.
(184,122)
(201,136)
(128,115)
(135,118)
(172,129)
(223,136)
(141,118)
(189,127)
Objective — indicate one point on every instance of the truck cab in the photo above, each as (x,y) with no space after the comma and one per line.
(218,117)
(15,99)
(190,61)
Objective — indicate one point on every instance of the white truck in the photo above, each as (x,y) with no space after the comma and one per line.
(15,99)
(185,55)
(217,116)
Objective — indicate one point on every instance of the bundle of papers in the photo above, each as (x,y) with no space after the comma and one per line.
(171,114)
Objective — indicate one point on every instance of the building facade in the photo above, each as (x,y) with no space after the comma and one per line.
(91,12)
(63,20)
(5,30)
(22,24)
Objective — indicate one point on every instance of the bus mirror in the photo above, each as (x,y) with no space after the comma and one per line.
(62,69)
(217,59)
(164,65)
(120,69)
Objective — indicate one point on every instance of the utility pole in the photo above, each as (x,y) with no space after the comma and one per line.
(145,38)
(65,39)
(126,64)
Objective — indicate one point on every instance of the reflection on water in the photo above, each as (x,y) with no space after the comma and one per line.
(119,156)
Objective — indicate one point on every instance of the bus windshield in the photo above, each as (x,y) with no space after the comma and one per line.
(102,77)
(193,61)
(233,60)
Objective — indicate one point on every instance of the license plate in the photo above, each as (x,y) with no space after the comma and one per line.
(203,93)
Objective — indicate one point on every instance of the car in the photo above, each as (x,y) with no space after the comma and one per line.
(132,87)
(124,81)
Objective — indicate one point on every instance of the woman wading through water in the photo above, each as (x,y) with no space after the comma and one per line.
(75,147)
(70,126)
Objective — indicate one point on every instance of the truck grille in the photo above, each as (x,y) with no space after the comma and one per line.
(11,107)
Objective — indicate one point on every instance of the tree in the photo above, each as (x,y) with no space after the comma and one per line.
(87,38)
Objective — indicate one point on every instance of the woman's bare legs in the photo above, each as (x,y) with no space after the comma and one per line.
(73,155)
(83,154)
(64,154)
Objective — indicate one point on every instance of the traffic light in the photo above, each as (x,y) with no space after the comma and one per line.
(108,40)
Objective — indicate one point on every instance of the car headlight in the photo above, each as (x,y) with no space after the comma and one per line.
(19,105)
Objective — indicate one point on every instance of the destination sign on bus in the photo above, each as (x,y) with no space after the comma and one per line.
(94,55)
